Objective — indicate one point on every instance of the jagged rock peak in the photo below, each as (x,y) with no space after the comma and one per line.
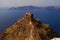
(28,15)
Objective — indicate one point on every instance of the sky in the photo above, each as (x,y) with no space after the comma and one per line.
(16,3)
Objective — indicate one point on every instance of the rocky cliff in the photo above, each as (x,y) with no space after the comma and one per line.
(29,28)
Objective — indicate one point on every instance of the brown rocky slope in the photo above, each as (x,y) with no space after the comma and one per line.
(28,28)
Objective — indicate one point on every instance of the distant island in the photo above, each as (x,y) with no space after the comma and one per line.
(25,7)
(33,7)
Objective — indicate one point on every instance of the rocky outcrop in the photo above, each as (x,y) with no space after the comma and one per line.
(29,28)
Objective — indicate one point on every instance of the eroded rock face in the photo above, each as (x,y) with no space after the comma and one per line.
(28,28)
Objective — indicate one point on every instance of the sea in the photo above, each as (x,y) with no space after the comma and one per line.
(47,16)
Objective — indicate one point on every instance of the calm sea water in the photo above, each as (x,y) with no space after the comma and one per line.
(9,17)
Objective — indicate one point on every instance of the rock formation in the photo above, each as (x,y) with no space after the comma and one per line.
(28,28)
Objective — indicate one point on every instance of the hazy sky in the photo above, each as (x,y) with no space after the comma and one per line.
(10,3)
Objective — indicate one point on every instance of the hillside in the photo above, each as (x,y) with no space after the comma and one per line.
(29,28)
